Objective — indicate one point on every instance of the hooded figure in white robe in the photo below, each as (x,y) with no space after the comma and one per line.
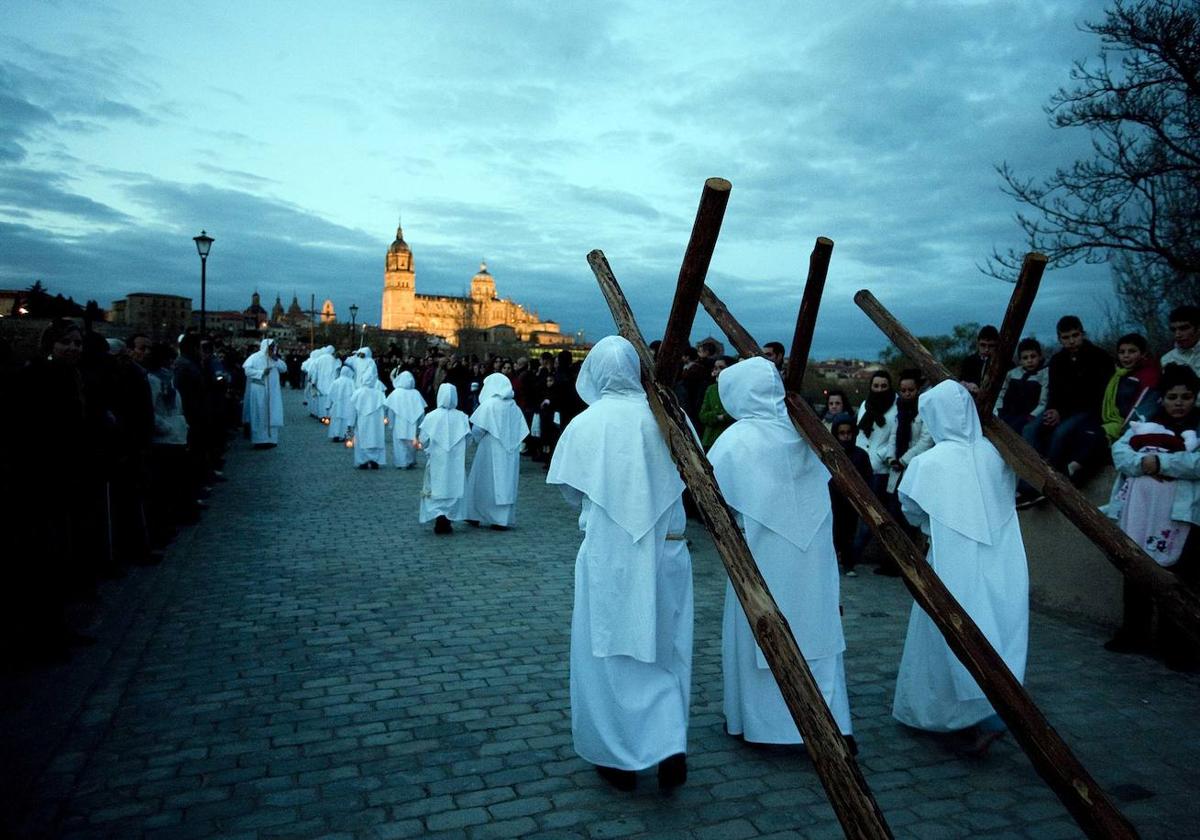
(364,366)
(341,407)
(325,371)
(310,385)
(498,427)
(961,493)
(631,628)
(263,401)
(370,432)
(779,490)
(443,435)
(405,407)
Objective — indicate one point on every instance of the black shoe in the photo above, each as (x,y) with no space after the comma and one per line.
(474,523)
(372,465)
(442,525)
(364,466)
(498,527)
(1182,662)
(623,780)
(672,772)
(1127,642)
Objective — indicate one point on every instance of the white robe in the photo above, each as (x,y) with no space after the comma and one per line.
(341,409)
(263,400)
(443,434)
(405,408)
(325,373)
(370,433)
(631,629)
(779,490)
(961,493)
(498,429)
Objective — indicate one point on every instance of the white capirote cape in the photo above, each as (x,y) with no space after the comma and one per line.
(961,493)
(325,372)
(341,408)
(364,366)
(780,491)
(405,408)
(443,434)
(631,628)
(263,400)
(370,433)
(498,427)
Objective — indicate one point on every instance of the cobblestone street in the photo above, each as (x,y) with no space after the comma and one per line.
(310,662)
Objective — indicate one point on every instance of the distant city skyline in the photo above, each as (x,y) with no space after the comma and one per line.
(530,134)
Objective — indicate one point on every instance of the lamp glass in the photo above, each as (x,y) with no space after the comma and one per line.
(203,243)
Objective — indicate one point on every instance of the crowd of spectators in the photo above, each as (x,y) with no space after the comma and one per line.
(112,447)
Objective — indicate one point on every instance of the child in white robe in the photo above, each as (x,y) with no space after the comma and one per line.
(341,394)
(405,408)
(631,627)
(370,433)
(443,435)
(779,490)
(498,427)
(961,493)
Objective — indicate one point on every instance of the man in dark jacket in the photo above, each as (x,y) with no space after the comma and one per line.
(1069,435)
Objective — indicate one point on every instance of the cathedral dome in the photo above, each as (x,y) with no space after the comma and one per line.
(399,246)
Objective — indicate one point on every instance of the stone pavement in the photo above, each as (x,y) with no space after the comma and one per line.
(309,662)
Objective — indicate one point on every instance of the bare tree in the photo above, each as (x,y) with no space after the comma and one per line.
(1135,202)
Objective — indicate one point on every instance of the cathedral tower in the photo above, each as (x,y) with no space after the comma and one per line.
(399,289)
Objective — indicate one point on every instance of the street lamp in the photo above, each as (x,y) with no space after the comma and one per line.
(353,315)
(203,244)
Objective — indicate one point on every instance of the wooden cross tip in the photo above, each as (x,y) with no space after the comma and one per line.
(718,184)
(824,241)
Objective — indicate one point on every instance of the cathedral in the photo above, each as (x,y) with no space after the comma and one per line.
(444,315)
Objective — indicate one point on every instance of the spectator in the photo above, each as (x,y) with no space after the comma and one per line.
(1185,330)
(836,405)
(1069,435)
(774,352)
(973,367)
(1156,501)
(845,517)
(171,500)
(876,424)
(1022,397)
(713,418)
(1131,389)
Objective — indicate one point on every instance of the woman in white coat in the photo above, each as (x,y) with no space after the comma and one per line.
(370,432)
(631,627)
(263,401)
(961,493)
(779,491)
(498,427)
(405,408)
(443,435)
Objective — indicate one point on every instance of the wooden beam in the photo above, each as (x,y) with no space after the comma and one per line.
(1051,757)
(806,321)
(713,199)
(848,793)
(1172,594)
(1030,278)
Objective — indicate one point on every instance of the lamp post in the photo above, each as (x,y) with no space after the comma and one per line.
(353,315)
(203,244)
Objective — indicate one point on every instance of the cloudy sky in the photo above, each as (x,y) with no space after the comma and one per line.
(529,134)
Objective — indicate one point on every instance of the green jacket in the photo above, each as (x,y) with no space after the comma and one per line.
(710,410)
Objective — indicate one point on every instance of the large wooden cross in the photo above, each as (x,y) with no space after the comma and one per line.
(839,774)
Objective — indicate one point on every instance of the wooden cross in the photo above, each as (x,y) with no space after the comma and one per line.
(839,774)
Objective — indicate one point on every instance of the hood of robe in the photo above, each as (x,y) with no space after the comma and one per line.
(405,380)
(764,468)
(406,404)
(498,415)
(962,482)
(445,426)
(345,372)
(611,369)
(613,451)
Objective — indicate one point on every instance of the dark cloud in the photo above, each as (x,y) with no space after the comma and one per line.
(25,190)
